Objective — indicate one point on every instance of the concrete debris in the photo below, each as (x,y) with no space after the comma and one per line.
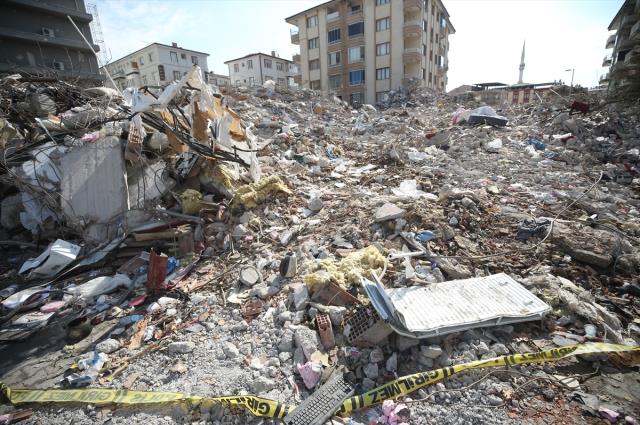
(225,244)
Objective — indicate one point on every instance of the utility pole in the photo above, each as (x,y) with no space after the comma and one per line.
(573,70)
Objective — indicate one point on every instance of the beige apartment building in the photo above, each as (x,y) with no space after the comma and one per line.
(361,49)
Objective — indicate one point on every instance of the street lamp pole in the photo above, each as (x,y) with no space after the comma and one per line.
(573,70)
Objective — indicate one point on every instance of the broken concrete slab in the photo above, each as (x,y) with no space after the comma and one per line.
(93,185)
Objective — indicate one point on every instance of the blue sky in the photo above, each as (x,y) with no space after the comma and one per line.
(560,34)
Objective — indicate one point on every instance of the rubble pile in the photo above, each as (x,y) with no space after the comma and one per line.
(261,241)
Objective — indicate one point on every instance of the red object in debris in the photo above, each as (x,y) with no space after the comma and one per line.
(325,330)
(157,272)
(134,302)
(430,136)
(579,106)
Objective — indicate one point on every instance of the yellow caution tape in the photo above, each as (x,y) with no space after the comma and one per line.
(267,408)
(410,383)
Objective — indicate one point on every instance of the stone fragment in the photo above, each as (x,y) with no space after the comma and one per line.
(308,340)
(389,211)
(108,346)
(431,351)
(230,350)
(181,347)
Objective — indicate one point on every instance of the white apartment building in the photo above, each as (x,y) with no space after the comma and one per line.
(218,80)
(155,65)
(361,49)
(256,68)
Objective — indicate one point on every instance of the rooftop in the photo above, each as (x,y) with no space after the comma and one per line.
(256,54)
(163,45)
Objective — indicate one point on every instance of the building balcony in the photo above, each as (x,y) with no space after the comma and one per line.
(354,16)
(53,41)
(117,74)
(635,31)
(606,61)
(611,41)
(333,16)
(604,79)
(295,36)
(632,59)
(54,9)
(412,55)
(441,71)
(296,58)
(440,49)
(628,20)
(413,5)
(412,29)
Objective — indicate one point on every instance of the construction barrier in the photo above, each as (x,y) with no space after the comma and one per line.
(267,408)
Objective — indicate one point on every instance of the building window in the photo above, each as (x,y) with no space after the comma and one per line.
(144,80)
(424,25)
(356,54)
(250,63)
(312,21)
(356,30)
(526,96)
(194,60)
(150,58)
(141,60)
(335,81)
(268,77)
(236,67)
(382,96)
(281,81)
(183,56)
(431,55)
(279,66)
(381,2)
(252,81)
(383,73)
(161,72)
(383,24)
(237,83)
(314,64)
(268,64)
(430,77)
(174,57)
(356,78)
(313,43)
(334,58)
(383,49)
(177,75)
(424,50)
(315,85)
(437,40)
(356,99)
(334,36)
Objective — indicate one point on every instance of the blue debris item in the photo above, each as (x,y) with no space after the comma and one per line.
(131,319)
(425,235)
(172,264)
(537,144)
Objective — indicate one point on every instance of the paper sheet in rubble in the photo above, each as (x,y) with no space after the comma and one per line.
(457,305)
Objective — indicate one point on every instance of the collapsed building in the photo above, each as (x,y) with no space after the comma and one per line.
(184,255)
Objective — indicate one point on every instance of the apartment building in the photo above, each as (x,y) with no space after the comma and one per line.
(218,79)
(256,68)
(624,61)
(361,49)
(36,37)
(155,65)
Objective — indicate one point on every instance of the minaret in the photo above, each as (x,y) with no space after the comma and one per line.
(521,64)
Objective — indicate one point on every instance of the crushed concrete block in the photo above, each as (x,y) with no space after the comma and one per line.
(230,350)
(181,347)
(108,346)
(389,211)
(308,340)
